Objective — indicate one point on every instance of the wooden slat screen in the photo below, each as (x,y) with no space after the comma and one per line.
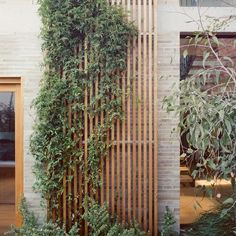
(132,185)
(131,178)
(129,172)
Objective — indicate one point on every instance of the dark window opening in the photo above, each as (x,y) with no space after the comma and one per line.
(191,63)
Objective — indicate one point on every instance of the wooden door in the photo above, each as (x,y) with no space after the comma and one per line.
(11,145)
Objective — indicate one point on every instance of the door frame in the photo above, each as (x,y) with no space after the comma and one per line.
(14,84)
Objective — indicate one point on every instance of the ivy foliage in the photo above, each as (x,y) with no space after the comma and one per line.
(85,44)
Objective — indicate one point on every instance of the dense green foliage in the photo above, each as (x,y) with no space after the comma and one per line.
(101,224)
(169,221)
(98,218)
(31,226)
(84,42)
(211,224)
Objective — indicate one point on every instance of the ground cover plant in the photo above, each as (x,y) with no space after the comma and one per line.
(212,223)
(97,217)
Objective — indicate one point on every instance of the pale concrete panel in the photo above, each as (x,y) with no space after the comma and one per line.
(20,55)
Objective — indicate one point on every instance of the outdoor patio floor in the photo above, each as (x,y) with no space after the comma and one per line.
(188,198)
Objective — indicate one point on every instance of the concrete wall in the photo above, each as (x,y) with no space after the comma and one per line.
(20,55)
(173,19)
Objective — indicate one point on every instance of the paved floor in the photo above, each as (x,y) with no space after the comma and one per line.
(193,203)
(189,199)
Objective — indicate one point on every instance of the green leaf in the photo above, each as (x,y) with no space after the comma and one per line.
(228,201)
(215,40)
(228,59)
(212,165)
(194,174)
(185,53)
(223,213)
(199,165)
(228,126)
(190,151)
(209,192)
(221,114)
(197,133)
(205,57)
(183,155)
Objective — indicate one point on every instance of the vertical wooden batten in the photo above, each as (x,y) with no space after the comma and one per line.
(134,120)
(129,169)
(139,96)
(150,114)
(155,182)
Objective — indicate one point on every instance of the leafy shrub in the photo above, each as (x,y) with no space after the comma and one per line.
(98,218)
(213,223)
(169,221)
(31,227)
(102,224)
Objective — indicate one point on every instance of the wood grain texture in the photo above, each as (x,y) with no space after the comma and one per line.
(150,119)
(155,126)
(134,120)
(139,112)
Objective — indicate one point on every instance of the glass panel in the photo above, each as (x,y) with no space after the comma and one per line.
(7,160)
(7,127)
(208,3)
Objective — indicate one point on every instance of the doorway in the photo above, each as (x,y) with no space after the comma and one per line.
(11,161)
(199,195)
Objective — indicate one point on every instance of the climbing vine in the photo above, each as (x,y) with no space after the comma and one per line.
(85,45)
